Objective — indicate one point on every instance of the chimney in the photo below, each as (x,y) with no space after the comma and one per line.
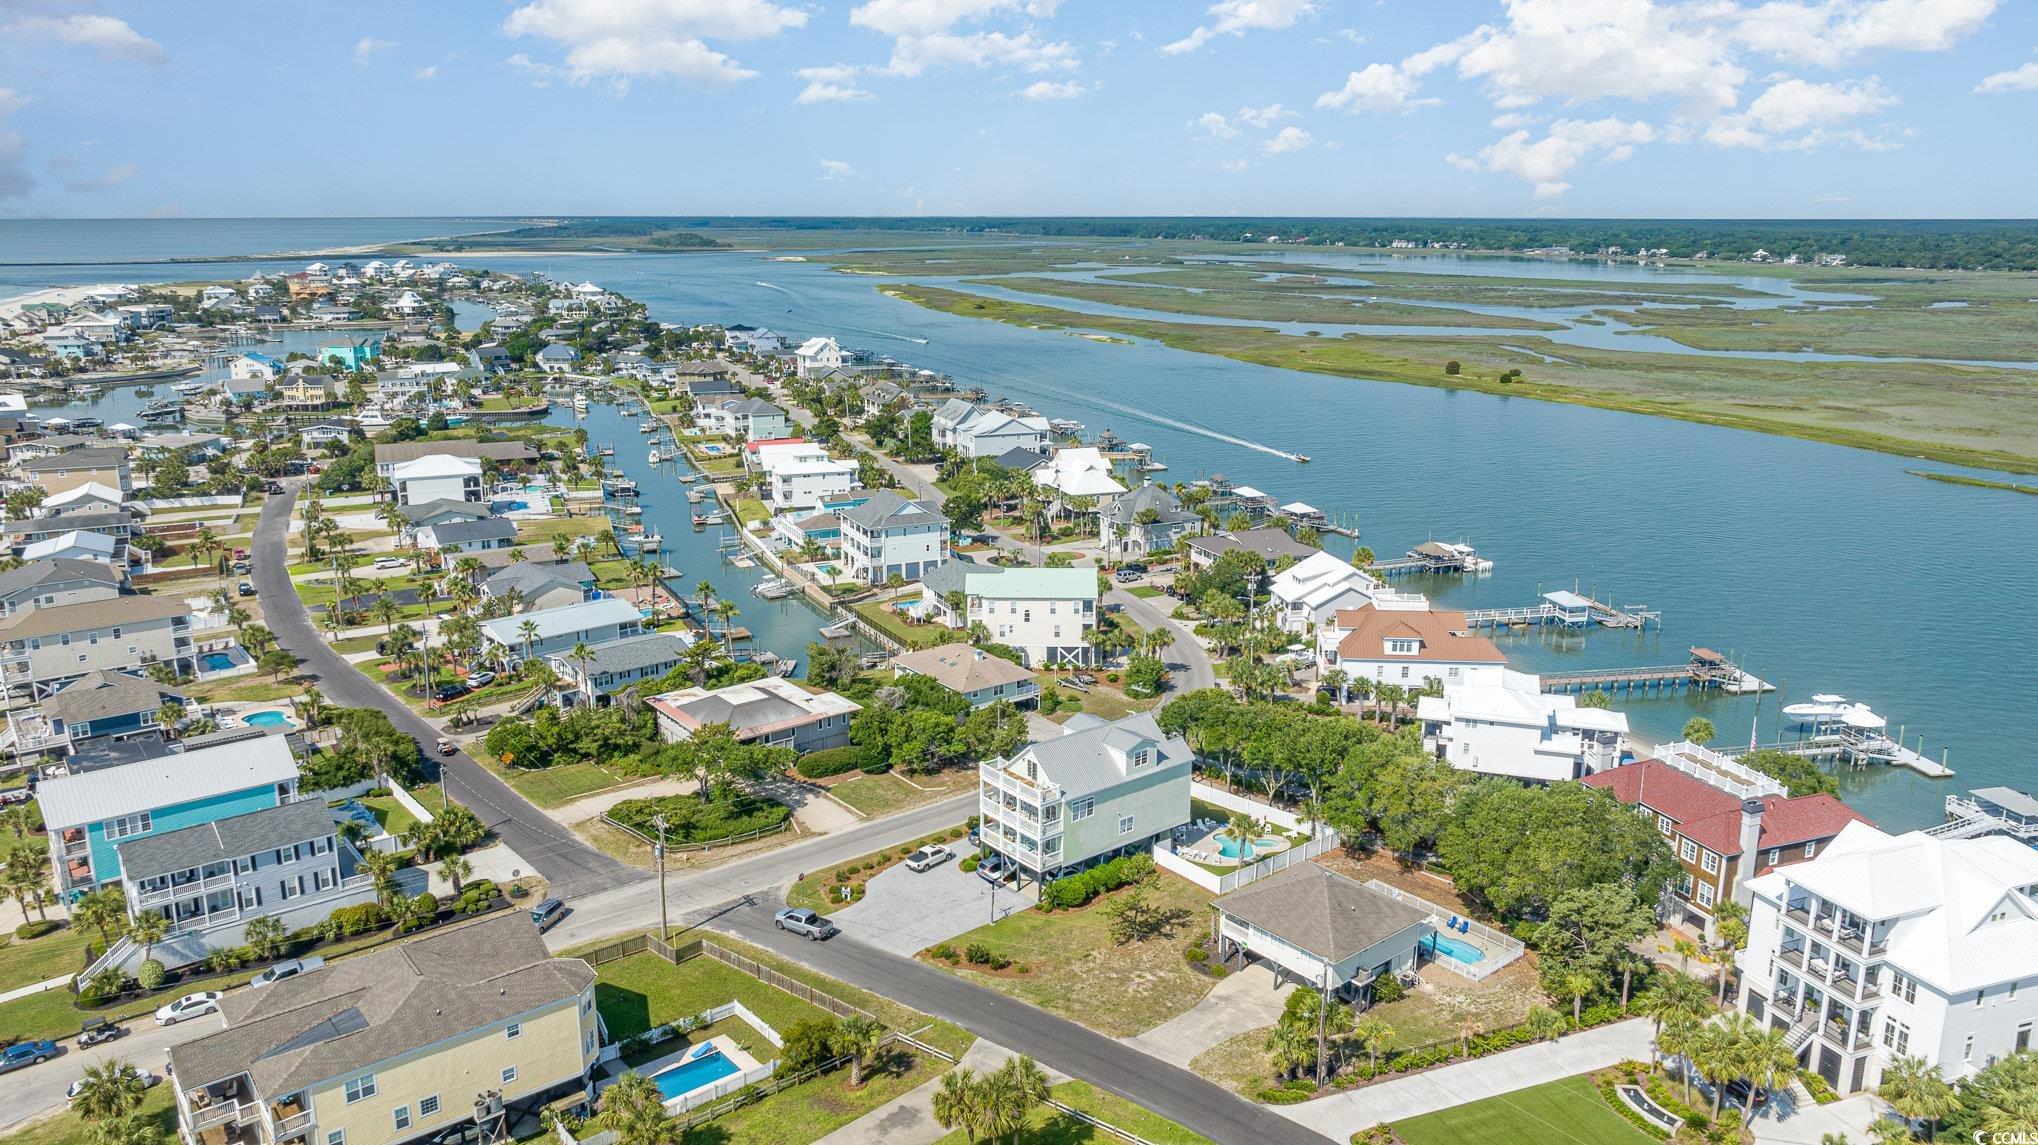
(977,652)
(1751,851)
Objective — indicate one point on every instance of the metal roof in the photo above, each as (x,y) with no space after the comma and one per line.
(75,800)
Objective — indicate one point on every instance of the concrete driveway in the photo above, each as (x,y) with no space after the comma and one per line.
(1247,1000)
(904,913)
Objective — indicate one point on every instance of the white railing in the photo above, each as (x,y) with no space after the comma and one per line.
(722,1088)
(1501,948)
(1719,770)
(1210,880)
(1232,801)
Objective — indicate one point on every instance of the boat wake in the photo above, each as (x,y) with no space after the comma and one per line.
(769,286)
(1188,427)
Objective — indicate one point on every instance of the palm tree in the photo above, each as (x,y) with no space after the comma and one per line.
(633,1107)
(1715,1054)
(1291,1048)
(110,1089)
(1025,1086)
(455,869)
(1675,1040)
(1886,1130)
(527,631)
(264,935)
(958,1103)
(1766,1058)
(388,612)
(104,910)
(382,867)
(1577,983)
(28,871)
(1674,998)
(1373,1035)
(854,1037)
(1544,1024)
(147,929)
(1337,682)
(19,819)
(726,612)
(580,655)
(1917,1091)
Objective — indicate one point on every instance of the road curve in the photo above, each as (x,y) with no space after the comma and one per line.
(568,864)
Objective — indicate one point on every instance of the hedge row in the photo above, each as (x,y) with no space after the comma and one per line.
(1078,889)
(829,761)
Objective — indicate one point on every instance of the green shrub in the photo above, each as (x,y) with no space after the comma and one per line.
(352,920)
(150,975)
(1197,955)
(688,820)
(1821,1092)
(1388,988)
(105,986)
(31,930)
(828,761)
(977,954)
(969,863)
(943,951)
(1078,889)
(1281,1095)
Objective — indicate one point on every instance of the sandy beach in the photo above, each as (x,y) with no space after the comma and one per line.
(61,295)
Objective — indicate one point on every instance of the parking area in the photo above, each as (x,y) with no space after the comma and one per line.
(904,913)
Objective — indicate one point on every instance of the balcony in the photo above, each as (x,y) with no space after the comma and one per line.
(177,890)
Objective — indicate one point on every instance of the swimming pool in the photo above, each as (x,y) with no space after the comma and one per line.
(687,1076)
(1228,846)
(1456,948)
(268,719)
(216,661)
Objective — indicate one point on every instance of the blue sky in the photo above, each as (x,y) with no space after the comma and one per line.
(1791,108)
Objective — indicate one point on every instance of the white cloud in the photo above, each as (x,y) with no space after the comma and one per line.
(835,170)
(1797,114)
(1233,166)
(624,40)
(1237,17)
(1544,162)
(1213,126)
(1048,89)
(2018,79)
(1605,49)
(368,47)
(108,35)
(428,72)
(926,17)
(833,83)
(1508,121)
(1376,87)
(1264,116)
(912,55)
(1833,32)
(104,181)
(1286,140)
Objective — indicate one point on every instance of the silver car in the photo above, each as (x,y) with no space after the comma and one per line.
(928,858)
(800,920)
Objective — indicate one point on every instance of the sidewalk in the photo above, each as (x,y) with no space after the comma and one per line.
(1341,1115)
(909,1120)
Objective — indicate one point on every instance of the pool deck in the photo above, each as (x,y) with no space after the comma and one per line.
(722,1042)
(1201,839)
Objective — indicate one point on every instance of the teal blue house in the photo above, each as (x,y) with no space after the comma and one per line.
(356,355)
(91,813)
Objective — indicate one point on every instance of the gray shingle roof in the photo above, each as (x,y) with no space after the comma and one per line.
(359,1011)
(1320,911)
(532,579)
(888,510)
(223,839)
(1079,762)
(632,653)
(1124,509)
(489,450)
(102,458)
(1270,543)
(102,695)
(751,406)
(486,529)
(425,510)
(54,571)
(961,668)
(92,614)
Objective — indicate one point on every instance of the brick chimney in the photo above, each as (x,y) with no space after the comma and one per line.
(1751,851)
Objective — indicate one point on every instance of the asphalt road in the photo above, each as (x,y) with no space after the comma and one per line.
(1168,1090)
(33,1091)
(571,866)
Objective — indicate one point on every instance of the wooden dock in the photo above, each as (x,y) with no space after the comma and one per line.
(1856,752)
(1705,669)
(1568,610)
(1433,557)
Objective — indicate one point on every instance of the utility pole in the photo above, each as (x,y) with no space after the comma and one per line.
(664,926)
(1322,1021)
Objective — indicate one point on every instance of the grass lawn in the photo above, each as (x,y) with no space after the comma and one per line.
(560,530)
(1146,591)
(897,627)
(644,990)
(876,795)
(1075,970)
(560,784)
(1102,699)
(1048,1126)
(26,961)
(247,689)
(933,1031)
(812,1110)
(1565,1112)
(159,1108)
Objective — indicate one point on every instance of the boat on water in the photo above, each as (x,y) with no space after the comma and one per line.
(1830,712)
(703,520)
(161,411)
(1303,458)
(773,588)
(372,418)
(86,423)
(650,543)
(688,478)
(840,630)
(191,387)
(786,666)
(647,427)
(607,451)
(633,510)
(619,487)
(654,456)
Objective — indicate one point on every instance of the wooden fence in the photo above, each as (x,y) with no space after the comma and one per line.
(651,944)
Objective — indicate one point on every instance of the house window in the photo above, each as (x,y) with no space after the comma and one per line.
(1663,823)
(1967,1050)
(360,1087)
(1903,987)
(337,1137)
(1081,808)
(127,825)
(509,1075)
(1810,849)
(1978,995)
(1688,849)
(1125,825)
(1775,856)
(402,1116)
(1711,863)
(1896,1036)
(2023,1037)
(513,1029)
(1705,894)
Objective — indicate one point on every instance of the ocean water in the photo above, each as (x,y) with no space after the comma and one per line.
(1819,568)
(62,241)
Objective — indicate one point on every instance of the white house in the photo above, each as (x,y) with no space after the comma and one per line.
(437,477)
(773,711)
(254,368)
(806,484)
(1311,591)
(1148,519)
(889,535)
(551,630)
(217,295)
(1908,945)
(1407,647)
(1512,727)
(988,433)
(1046,614)
(451,538)
(817,356)
(1317,928)
(408,305)
(557,358)
(1099,790)
(754,340)
(748,419)
(1079,471)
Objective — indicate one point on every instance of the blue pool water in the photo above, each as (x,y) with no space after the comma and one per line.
(688,1076)
(265,719)
(1228,846)
(216,661)
(1456,948)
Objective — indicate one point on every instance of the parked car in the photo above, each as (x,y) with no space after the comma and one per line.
(21,1055)
(272,488)
(446,693)
(141,1075)
(548,912)
(976,837)
(994,869)
(245,588)
(800,920)
(1737,1093)
(1126,576)
(282,970)
(390,562)
(1138,567)
(242,568)
(480,679)
(927,858)
(15,795)
(189,1006)
(446,746)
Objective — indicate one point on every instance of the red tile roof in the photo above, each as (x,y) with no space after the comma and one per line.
(1712,818)
(1441,635)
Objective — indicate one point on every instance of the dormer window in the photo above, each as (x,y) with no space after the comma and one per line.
(1141,756)
(1403,646)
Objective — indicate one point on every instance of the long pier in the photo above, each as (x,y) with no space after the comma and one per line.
(1569,610)
(1855,751)
(1705,669)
